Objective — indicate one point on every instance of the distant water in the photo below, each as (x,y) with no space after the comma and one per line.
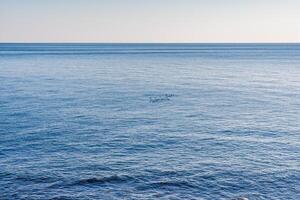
(150,121)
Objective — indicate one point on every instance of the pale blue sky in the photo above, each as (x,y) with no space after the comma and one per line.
(149,20)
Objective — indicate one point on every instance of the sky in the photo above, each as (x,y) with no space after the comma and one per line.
(150,21)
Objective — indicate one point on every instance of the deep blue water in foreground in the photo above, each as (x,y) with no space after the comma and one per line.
(149,121)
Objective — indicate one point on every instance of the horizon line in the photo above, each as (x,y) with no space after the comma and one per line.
(76,42)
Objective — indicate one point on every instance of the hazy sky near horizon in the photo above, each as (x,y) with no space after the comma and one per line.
(149,20)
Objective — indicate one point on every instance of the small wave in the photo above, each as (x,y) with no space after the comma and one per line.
(61,198)
(103,180)
(241,198)
(164,184)
(35,178)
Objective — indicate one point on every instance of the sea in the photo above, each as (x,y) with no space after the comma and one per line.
(149,121)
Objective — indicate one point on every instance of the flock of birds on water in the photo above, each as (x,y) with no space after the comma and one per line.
(161,98)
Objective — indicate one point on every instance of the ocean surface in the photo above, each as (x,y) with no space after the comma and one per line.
(149,121)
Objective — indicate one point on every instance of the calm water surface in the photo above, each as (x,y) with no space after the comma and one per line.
(150,121)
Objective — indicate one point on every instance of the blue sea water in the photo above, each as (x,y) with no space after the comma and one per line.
(150,121)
